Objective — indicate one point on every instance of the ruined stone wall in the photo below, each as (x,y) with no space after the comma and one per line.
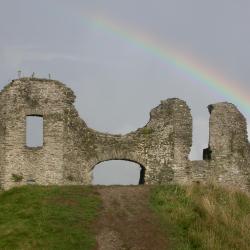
(228,145)
(71,150)
(156,147)
(26,97)
(2,152)
(227,158)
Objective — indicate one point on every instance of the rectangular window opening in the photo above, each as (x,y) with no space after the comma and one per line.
(34,131)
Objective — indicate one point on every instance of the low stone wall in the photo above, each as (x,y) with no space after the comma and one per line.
(71,150)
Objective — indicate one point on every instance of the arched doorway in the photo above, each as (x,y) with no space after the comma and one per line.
(118,172)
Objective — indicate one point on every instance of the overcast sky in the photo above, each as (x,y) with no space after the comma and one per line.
(116,82)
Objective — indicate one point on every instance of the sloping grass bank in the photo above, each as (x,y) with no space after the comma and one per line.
(203,217)
(193,217)
(35,217)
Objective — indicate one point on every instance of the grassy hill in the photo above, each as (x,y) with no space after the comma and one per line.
(203,217)
(34,217)
(191,217)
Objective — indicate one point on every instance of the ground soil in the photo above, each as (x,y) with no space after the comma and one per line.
(126,221)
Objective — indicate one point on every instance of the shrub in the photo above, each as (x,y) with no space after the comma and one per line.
(17,177)
(70,178)
(146,131)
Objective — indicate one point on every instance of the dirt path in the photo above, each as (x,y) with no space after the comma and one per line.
(126,221)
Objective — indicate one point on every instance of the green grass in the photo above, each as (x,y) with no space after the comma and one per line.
(193,217)
(203,217)
(37,217)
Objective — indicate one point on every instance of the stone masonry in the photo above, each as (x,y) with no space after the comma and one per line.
(71,150)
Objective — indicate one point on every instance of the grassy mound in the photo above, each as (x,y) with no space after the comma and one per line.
(203,217)
(35,217)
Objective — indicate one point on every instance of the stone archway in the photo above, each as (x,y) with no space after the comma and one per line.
(119,169)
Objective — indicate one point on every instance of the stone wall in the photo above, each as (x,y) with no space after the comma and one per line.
(71,150)
(26,97)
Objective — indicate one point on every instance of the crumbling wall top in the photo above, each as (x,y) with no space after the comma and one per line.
(38,88)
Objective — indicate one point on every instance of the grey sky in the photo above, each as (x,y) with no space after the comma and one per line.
(117,83)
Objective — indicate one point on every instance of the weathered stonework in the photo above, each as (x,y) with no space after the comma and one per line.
(71,150)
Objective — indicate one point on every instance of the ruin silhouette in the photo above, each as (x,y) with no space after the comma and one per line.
(71,149)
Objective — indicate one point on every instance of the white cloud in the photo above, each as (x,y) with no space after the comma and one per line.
(16,56)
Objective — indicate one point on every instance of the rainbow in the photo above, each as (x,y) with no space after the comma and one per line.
(191,68)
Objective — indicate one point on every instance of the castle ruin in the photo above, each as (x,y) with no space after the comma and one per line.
(71,149)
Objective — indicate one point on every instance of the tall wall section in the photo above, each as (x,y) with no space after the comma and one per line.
(228,145)
(2,151)
(19,163)
(227,158)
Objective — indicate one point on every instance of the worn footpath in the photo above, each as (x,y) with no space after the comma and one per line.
(126,221)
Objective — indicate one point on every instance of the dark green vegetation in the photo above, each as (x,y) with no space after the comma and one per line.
(146,131)
(35,217)
(203,217)
(17,178)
